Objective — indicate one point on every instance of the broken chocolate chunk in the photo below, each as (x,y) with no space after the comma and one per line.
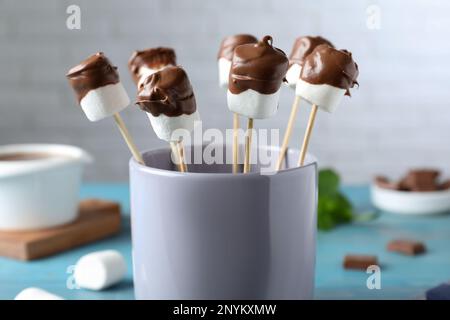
(384,183)
(360,262)
(420,180)
(407,247)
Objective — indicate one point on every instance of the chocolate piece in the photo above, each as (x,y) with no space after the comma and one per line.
(259,66)
(167,92)
(326,65)
(420,180)
(153,58)
(361,262)
(303,46)
(384,183)
(408,247)
(231,42)
(92,73)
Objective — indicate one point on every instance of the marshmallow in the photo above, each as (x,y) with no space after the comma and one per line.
(105,101)
(253,104)
(224,71)
(164,126)
(293,74)
(36,294)
(256,74)
(168,98)
(324,96)
(327,75)
(97,86)
(99,270)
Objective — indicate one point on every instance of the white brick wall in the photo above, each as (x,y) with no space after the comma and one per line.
(398,118)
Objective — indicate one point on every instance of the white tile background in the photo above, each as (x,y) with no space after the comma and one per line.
(399,117)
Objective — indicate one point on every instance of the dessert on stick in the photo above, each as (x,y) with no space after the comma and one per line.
(224,59)
(101,94)
(303,46)
(327,75)
(143,63)
(168,99)
(256,74)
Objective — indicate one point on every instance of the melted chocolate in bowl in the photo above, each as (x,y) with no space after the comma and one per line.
(29,156)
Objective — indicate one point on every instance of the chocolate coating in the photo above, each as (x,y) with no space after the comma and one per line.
(154,58)
(167,92)
(326,65)
(259,66)
(303,46)
(231,42)
(92,73)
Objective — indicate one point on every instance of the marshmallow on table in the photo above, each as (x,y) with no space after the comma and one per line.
(256,75)
(303,46)
(99,270)
(168,98)
(225,55)
(98,88)
(36,294)
(327,75)
(144,63)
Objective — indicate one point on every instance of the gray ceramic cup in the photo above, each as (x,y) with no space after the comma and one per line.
(210,234)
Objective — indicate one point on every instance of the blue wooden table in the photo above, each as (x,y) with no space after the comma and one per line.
(401,277)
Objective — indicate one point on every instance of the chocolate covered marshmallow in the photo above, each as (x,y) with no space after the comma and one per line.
(168,98)
(327,75)
(256,74)
(98,88)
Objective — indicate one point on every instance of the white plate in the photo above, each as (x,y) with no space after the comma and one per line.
(411,203)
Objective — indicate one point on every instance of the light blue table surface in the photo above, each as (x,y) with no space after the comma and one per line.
(402,277)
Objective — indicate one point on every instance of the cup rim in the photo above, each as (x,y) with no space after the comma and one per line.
(10,168)
(169,173)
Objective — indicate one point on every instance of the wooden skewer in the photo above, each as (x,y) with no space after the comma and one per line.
(128,139)
(176,153)
(235,142)
(248,143)
(288,133)
(181,154)
(309,127)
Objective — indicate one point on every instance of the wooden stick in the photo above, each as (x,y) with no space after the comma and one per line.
(128,139)
(288,133)
(235,142)
(248,144)
(181,154)
(176,152)
(309,127)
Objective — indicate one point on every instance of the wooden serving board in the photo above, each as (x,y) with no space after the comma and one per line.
(97,219)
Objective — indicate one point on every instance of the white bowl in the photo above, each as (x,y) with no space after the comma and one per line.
(411,203)
(40,193)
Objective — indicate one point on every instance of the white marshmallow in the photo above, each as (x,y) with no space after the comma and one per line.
(253,104)
(224,71)
(293,74)
(99,270)
(326,97)
(36,294)
(164,126)
(105,101)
